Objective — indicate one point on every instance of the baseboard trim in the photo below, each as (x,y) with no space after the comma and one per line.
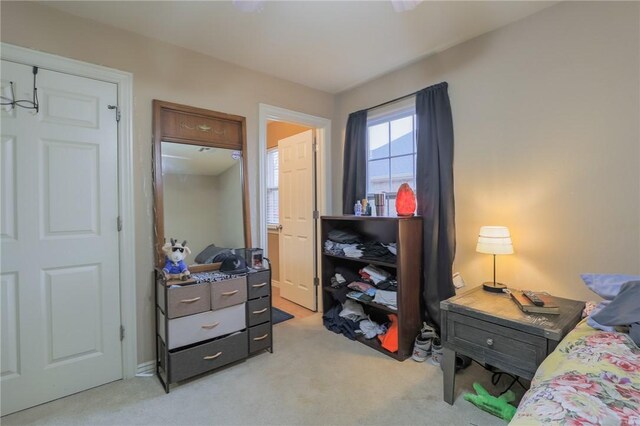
(146,368)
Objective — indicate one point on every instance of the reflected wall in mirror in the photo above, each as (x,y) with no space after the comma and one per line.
(200,184)
(202,198)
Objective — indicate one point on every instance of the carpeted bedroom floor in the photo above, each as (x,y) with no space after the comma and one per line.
(313,377)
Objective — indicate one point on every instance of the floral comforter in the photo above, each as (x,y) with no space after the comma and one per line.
(592,378)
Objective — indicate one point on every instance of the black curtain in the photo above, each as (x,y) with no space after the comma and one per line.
(354,179)
(434,184)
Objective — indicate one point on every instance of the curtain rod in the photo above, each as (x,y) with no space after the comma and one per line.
(394,100)
(444,83)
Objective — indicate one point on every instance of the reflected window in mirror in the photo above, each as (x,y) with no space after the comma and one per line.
(203,199)
(272,188)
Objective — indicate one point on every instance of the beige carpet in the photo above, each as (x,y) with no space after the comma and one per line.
(313,377)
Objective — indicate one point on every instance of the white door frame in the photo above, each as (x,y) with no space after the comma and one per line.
(323,167)
(124,81)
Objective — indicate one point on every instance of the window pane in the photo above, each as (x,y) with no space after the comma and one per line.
(402,136)
(378,176)
(401,171)
(379,141)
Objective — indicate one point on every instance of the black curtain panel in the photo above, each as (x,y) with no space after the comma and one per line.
(434,184)
(354,180)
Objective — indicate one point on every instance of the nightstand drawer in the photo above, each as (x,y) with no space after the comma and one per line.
(502,347)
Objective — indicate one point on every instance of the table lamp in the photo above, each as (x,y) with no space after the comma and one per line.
(494,240)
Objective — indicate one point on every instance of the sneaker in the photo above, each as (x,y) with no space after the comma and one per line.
(427,332)
(436,352)
(421,349)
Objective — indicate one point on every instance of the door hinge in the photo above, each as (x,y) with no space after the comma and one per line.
(119,224)
(315,143)
(316,214)
(118,113)
(121,333)
(316,281)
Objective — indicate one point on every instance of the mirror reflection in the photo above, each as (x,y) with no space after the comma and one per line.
(202,200)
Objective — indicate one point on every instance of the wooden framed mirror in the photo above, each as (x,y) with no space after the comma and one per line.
(199,180)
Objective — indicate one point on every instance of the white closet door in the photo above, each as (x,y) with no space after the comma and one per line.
(295,182)
(60,298)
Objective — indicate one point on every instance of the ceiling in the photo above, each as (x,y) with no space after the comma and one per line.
(183,159)
(327,45)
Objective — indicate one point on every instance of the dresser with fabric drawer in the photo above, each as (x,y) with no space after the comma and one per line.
(203,326)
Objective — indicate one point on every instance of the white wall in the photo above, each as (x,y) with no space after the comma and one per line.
(166,72)
(229,208)
(546,115)
(190,206)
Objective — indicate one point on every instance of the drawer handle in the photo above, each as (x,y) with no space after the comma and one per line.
(213,356)
(261,311)
(261,337)
(230,293)
(201,127)
(259,285)
(220,132)
(490,342)
(210,326)
(195,299)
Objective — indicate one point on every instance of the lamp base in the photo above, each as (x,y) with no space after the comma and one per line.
(497,288)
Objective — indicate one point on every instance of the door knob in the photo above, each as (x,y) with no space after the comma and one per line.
(279,227)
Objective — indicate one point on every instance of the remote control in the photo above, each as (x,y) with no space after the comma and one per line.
(533,297)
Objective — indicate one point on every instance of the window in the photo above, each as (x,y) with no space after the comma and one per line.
(391,148)
(272,187)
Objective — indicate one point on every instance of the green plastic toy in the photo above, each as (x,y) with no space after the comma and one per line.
(498,406)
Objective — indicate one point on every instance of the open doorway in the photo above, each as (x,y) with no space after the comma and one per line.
(293,194)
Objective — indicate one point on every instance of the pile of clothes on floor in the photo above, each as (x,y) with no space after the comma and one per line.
(349,318)
(349,244)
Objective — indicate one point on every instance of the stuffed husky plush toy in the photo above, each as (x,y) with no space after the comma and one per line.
(174,266)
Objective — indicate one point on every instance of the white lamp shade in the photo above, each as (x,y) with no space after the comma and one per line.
(494,240)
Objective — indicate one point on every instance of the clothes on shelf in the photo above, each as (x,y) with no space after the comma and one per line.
(387,298)
(371,329)
(339,325)
(353,311)
(363,287)
(374,274)
(389,340)
(348,244)
(358,295)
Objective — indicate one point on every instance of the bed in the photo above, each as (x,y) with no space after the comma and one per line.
(592,378)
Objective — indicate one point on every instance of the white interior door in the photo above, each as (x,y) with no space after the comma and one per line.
(296,201)
(60,307)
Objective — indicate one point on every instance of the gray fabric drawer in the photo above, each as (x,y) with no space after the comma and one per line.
(197,360)
(259,285)
(260,337)
(186,300)
(259,311)
(228,292)
(206,325)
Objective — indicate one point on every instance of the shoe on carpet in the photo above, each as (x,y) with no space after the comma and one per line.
(421,349)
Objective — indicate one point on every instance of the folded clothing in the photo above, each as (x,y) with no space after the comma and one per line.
(376,251)
(342,236)
(358,295)
(375,274)
(363,287)
(387,298)
(353,311)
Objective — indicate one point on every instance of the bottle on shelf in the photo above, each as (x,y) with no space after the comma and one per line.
(358,208)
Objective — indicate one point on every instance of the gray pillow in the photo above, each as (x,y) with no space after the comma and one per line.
(623,310)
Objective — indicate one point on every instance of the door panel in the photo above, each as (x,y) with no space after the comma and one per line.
(59,267)
(296,217)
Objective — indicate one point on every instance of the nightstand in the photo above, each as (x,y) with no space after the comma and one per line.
(491,329)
